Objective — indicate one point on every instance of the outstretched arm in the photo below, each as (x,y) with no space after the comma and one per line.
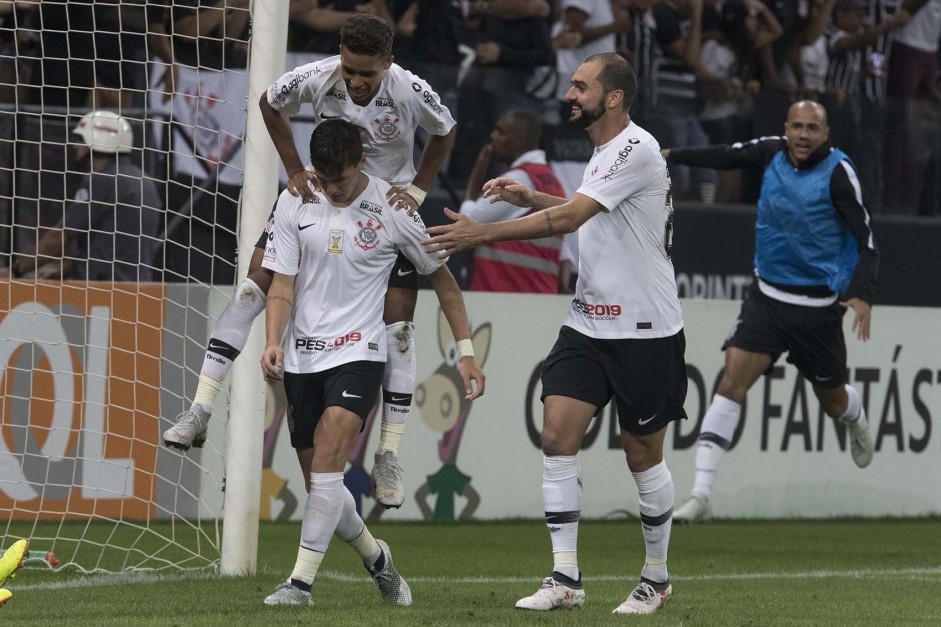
(516,193)
(452,305)
(50,248)
(465,233)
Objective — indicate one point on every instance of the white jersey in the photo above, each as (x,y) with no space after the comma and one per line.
(626,284)
(341,258)
(404,103)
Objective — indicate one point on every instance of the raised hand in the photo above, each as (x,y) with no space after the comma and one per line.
(508,190)
(304,183)
(448,239)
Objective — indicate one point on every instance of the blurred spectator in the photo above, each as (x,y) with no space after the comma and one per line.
(510,38)
(639,45)
(873,109)
(432,30)
(847,38)
(125,34)
(729,54)
(807,56)
(584,28)
(91,53)
(913,97)
(210,42)
(515,266)
(109,232)
(211,34)
(315,24)
(677,98)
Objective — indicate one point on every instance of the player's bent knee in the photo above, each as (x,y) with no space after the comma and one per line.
(262,277)
(399,305)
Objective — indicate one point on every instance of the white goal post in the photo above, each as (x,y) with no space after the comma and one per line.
(93,372)
(247,411)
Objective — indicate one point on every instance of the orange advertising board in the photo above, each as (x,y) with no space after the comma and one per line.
(79,421)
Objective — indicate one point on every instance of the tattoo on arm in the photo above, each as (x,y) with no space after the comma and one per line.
(549,222)
(287,300)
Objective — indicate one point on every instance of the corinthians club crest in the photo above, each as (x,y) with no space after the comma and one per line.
(387,127)
(368,236)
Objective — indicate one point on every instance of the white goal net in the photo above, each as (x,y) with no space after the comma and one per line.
(95,367)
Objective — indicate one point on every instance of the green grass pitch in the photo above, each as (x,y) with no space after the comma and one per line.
(757,573)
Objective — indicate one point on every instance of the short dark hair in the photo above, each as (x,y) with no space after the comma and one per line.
(335,145)
(616,74)
(526,127)
(368,35)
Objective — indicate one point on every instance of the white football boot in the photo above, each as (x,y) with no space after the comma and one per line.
(555,594)
(695,509)
(190,428)
(645,599)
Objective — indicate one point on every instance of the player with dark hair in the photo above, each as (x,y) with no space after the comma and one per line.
(623,336)
(389,104)
(330,259)
(815,257)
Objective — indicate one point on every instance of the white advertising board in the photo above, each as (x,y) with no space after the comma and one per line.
(788,460)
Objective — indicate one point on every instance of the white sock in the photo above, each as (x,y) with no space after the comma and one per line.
(206,392)
(562,498)
(305,568)
(352,530)
(324,507)
(390,435)
(398,384)
(655,496)
(715,437)
(229,338)
(854,411)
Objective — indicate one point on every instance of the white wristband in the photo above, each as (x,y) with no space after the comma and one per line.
(417,193)
(465,348)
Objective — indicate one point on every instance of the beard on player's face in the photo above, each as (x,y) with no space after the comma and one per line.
(584,116)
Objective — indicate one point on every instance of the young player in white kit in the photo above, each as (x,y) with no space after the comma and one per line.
(361,85)
(623,336)
(331,259)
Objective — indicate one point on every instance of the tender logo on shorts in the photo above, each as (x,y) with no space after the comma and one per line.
(368,236)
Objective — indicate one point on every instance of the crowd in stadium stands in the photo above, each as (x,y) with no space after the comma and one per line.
(710,71)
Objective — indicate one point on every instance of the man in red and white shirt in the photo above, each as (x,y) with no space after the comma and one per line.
(529,266)
(331,259)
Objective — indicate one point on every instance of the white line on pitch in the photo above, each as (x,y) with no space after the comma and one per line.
(918,574)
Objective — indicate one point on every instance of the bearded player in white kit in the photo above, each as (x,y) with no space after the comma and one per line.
(389,104)
(623,336)
(330,260)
